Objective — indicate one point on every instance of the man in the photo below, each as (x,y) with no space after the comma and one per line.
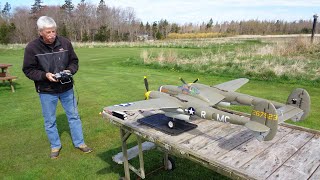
(44,57)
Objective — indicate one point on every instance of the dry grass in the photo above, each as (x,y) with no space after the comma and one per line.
(290,47)
(294,58)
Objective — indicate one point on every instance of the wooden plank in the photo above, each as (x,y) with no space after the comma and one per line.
(316,174)
(220,147)
(302,164)
(247,151)
(8,77)
(202,128)
(272,158)
(210,136)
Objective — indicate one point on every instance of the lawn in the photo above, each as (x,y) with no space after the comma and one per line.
(103,79)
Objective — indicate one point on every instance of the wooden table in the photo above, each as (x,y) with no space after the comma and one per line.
(4,75)
(230,150)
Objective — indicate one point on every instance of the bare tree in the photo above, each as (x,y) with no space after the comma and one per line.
(25,25)
(85,21)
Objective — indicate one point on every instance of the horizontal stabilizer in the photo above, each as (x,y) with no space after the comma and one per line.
(257,127)
(289,112)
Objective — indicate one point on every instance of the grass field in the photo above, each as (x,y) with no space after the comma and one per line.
(104,78)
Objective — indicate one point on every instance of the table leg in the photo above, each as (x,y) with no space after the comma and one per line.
(141,157)
(124,138)
(11,85)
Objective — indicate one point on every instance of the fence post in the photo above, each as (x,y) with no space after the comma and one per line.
(314,26)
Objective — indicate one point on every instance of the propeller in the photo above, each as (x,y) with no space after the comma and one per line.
(182,81)
(186,83)
(146,84)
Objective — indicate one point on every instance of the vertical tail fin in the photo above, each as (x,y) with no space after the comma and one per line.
(300,98)
(263,121)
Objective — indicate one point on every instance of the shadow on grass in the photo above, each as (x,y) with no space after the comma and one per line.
(5,86)
(152,161)
(113,166)
(154,168)
(63,124)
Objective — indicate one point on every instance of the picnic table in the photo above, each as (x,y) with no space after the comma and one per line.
(5,75)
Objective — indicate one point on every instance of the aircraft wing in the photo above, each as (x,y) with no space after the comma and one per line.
(212,97)
(232,85)
(289,112)
(207,94)
(151,104)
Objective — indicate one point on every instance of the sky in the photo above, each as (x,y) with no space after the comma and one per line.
(198,11)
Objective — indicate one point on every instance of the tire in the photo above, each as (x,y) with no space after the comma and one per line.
(171,164)
(171,124)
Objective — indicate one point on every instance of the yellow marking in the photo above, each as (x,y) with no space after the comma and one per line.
(147,94)
(265,115)
(144,77)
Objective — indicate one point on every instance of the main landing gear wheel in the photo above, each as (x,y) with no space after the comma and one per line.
(171,124)
(171,164)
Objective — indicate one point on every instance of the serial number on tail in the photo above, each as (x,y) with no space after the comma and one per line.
(265,115)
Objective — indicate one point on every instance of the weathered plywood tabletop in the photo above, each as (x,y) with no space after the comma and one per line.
(232,150)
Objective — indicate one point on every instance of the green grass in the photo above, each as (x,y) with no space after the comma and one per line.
(103,79)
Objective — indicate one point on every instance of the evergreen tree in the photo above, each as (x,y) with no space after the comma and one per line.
(6,10)
(6,30)
(85,37)
(36,7)
(101,7)
(209,25)
(103,34)
(63,30)
(159,35)
(154,29)
(68,6)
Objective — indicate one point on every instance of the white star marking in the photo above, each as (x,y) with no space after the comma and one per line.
(191,111)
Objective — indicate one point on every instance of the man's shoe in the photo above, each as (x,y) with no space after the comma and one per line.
(55,153)
(84,148)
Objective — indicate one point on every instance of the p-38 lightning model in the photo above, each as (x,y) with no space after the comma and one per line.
(181,102)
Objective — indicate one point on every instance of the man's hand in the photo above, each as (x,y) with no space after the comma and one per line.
(67,71)
(50,77)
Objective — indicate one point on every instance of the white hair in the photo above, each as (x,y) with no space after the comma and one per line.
(46,22)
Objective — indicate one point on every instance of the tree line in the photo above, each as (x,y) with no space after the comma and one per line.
(85,21)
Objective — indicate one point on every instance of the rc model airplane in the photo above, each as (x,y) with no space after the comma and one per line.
(182,102)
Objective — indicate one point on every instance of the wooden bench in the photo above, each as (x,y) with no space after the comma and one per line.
(9,78)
